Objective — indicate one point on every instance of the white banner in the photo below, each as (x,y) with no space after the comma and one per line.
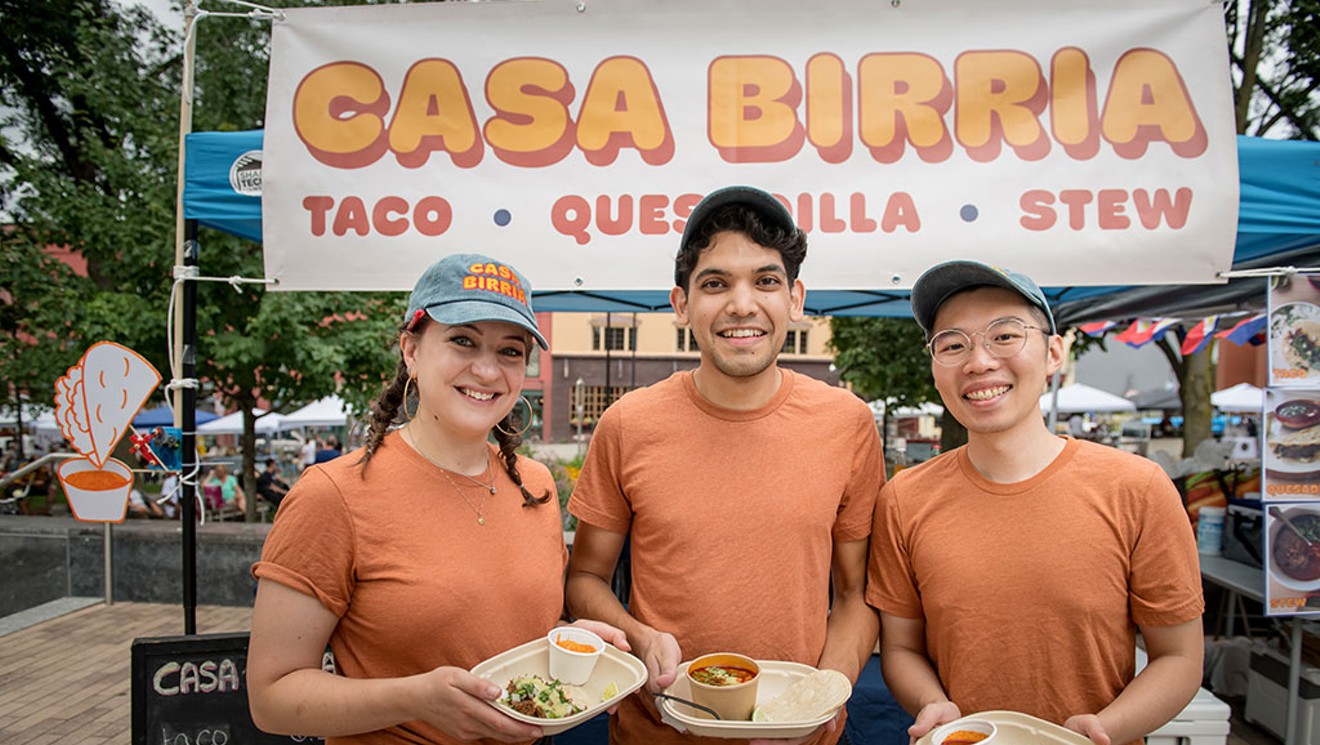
(1084,143)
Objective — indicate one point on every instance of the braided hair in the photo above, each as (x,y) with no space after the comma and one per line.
(385,413)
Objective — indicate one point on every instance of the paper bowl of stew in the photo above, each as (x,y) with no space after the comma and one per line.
(1295,559)
(726,682)
(96,494)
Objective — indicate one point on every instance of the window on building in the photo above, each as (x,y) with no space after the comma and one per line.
(795,342)
(613,338)
(616,332)
(686,341)
(593,403)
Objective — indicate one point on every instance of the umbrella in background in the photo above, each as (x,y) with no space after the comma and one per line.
(232,423)
(1080,398)
(327,412)
(1157,399)
(1243,397)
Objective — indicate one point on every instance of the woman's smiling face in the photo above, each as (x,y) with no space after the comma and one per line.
(468,376)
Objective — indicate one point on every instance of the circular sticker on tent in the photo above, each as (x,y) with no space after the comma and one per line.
(245,174)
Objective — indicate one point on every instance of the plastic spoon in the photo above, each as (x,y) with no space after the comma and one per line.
(1278,513)
(693,704)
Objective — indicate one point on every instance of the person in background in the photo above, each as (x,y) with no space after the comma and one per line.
(328,452)
(231,493)
(427,550)
(307,454)
(1015,572)
(270,486)
(736,541)
(139,504)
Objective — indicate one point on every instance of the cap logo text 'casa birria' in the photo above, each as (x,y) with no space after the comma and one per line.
(495,278)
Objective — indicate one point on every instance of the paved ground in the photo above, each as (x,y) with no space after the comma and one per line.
(66,677)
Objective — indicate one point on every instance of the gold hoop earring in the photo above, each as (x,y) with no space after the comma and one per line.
(526,426)
(406,386)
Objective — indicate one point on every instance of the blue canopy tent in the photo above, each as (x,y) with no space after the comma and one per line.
(1278,225)
(163,416)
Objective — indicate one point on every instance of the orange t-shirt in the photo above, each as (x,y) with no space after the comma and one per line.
(1031,592)
(415,581)
(733,517)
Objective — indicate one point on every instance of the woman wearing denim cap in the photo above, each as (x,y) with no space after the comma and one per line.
(426,551)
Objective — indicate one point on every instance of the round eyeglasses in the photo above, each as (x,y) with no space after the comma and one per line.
(1003,338)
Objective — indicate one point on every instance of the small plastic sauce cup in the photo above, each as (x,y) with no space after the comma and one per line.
(570,660)
(965,732)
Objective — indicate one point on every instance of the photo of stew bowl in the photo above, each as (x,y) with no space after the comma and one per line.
(1295,559)
(966,732)
(726,682)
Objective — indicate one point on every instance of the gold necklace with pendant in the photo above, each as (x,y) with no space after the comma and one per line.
(487,487)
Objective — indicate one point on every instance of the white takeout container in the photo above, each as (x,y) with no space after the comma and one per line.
(567,665)
(1013,728)
(533,658)
(776,676)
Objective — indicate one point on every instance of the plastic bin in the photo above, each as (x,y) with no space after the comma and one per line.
(1267,694)
(1203,722)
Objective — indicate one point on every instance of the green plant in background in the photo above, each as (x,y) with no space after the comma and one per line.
(565,473)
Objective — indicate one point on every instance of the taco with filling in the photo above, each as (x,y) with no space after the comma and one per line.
(1301,344)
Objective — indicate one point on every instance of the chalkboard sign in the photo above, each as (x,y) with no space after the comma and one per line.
(192,690)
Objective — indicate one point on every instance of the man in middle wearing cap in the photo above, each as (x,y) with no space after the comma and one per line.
(745,487)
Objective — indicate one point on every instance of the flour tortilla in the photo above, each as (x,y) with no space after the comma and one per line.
(809,697)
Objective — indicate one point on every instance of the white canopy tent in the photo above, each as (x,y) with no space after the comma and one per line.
(925,409)
(232,424)
(1079,398)
(1243,397)
(327,412)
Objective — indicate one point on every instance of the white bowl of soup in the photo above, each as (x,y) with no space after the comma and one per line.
(1294,562)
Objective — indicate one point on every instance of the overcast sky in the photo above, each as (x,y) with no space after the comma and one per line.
(167,15)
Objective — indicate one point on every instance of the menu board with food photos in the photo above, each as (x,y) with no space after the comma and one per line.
(1291,452)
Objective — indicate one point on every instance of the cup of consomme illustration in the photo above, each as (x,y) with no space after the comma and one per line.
(96,494)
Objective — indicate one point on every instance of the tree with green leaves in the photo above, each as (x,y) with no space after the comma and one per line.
(88,161)
(885,358)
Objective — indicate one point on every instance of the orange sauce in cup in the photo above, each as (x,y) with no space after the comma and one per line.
(963,737)
(573,646)
(96,480)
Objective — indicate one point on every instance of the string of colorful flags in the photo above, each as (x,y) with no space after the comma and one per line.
(1192,337)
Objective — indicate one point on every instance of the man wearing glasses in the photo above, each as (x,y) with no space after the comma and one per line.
(1013,573)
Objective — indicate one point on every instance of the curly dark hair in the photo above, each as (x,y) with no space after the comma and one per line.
(739,218)
(385,414)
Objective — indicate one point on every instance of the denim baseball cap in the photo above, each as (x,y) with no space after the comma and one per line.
(941,281)
(467,288)
(770,209)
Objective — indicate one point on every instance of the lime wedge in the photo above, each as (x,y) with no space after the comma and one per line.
(610,691)
(759,716)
